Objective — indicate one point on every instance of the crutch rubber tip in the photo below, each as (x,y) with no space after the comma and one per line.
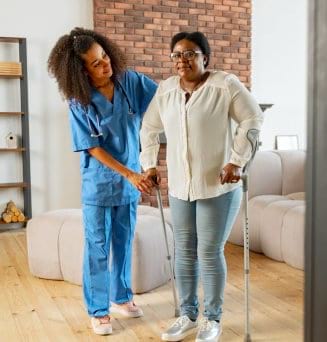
(177,313)
(247,338)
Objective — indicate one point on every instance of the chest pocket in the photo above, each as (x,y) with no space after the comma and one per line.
(113,134)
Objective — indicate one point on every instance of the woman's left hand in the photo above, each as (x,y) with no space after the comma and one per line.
(230,174)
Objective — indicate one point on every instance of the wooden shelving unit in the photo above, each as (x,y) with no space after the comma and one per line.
(18,70)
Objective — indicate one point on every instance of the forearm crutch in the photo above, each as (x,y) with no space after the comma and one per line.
(252,136)
(171,270)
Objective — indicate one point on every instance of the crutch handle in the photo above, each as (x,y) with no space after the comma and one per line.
(253,137)
(155,180)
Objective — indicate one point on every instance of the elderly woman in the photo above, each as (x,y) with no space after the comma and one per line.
(195,109)
(106,104)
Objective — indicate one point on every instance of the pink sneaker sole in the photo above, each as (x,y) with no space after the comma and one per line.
(101,328)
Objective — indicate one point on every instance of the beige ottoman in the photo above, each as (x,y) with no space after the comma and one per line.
(55,242)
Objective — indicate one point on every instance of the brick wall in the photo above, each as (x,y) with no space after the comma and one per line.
(143,29)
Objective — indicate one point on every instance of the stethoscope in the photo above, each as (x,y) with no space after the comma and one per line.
(97,132)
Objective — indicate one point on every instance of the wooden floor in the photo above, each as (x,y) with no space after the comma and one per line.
(33,309)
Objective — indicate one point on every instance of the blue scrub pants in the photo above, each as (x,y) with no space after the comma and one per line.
(108,231)
(201,229)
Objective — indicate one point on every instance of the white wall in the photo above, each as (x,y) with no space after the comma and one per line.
(279,66)
(54,168)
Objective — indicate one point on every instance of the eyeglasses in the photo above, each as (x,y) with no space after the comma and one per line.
(188,54)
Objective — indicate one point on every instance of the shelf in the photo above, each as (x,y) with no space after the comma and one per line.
(10,69)
(11,76)
(5,223)
(11,113)
(10,39)
(7,149)
(13,185)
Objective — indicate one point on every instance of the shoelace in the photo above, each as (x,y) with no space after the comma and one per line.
(104,320)
(180,321)
(131,306)
(205,324)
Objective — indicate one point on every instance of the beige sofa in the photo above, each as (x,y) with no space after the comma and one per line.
(276,207)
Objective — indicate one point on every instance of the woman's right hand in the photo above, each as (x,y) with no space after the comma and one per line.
(154,175)
(141,182)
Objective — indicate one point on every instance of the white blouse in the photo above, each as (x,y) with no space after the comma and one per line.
(200,141)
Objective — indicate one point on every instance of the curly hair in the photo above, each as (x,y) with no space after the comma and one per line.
(66,65)
(197,38)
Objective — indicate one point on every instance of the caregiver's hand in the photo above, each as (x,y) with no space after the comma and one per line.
(140,181)
(154,175)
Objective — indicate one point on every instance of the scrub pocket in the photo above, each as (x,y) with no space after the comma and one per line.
(96,185)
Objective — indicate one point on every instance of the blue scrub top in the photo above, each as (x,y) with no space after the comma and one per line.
(116,127)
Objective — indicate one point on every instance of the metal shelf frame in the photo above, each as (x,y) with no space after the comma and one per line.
(25,185)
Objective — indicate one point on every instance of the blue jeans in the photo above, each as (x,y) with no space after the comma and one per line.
(201,229)
(107,231)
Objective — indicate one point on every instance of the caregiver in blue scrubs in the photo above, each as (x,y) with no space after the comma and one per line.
(106,104)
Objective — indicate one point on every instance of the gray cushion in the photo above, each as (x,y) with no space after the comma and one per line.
(293,166)
(265,176)
(256,208)
(293,236)
(272,227)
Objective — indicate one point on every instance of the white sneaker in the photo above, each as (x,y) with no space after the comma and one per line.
(129,309)
(209,331)
(101,327)
(181,328)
